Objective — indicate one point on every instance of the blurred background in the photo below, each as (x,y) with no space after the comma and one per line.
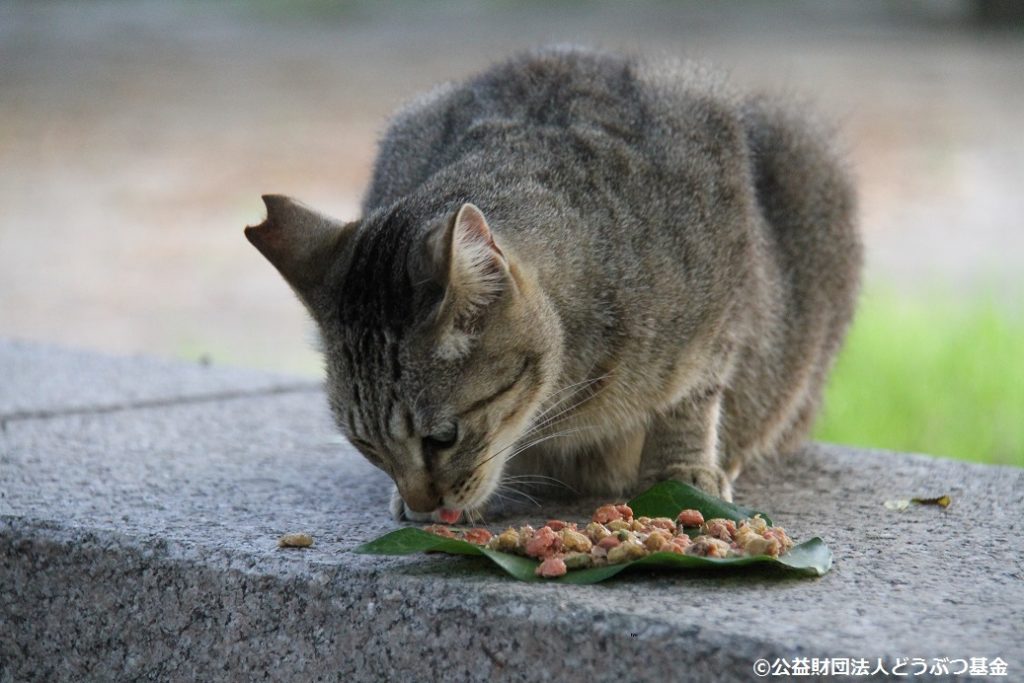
(137,137)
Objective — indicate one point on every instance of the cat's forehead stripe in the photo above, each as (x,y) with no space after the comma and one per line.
(376,290)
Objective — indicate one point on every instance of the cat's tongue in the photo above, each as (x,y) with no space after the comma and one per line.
(449,516)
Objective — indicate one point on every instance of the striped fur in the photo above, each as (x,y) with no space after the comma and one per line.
(597,269)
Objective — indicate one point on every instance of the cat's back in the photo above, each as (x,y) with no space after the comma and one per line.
(557,105)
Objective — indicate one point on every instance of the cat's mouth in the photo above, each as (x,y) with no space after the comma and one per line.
(447,515)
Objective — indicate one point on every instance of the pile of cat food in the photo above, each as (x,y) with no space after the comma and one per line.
(615,536)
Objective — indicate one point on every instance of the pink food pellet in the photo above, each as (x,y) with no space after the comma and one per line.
(477,536)
(544,543)
(608,542)
(552,567)
(663,523)
(690,518)
(606,513)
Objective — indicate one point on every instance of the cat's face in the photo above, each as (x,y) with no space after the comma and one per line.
(438,347)
(440,427)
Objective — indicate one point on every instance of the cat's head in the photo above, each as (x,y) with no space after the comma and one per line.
(439,345)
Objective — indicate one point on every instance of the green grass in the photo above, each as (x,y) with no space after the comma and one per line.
(930,376)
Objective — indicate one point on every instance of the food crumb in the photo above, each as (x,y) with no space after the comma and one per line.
(296,540)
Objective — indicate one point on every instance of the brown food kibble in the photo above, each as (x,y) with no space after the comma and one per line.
(779,534)
(297,540)
(625,511)
(574,541)
(690,518)
(677,545)
(595,532)
(708,546)
(744,535)
(657,539)
(759,545)
(756,523)
(609,542)
(619,525)
(626,552)
(722,529)
(578,560)
(506,542)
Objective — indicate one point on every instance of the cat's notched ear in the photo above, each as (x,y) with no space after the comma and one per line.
(477,270)
(301,243)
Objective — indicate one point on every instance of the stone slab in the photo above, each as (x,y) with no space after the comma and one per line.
(40,379)
(140,543)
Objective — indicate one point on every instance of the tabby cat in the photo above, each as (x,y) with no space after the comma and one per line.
(598,270)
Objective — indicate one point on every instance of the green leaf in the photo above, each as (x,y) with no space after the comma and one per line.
(810,558)
(410,540)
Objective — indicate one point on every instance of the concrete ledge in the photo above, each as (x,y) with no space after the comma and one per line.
(139,542)
(41,380)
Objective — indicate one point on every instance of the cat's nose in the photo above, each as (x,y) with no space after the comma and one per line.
(420,498)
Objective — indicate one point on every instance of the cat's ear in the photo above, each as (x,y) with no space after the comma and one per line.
(474,269)
(301,243)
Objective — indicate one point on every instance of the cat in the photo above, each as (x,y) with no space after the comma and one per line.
(580,267)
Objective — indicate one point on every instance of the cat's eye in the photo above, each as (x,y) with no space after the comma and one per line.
(443,438)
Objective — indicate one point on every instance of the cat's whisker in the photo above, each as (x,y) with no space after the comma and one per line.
(510,490)
(497,494)
(545,420)
(547,438)
(582,386)
(474,517)
(547,424)
(539,480)
(523,447)
(551,421)
(536,478)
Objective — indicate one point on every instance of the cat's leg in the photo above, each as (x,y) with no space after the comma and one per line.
(682,444)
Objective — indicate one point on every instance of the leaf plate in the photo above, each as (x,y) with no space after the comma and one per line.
(665,499)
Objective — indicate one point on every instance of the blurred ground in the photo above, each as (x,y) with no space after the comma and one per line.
(136,138)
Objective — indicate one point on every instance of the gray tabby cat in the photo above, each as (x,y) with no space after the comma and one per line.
(598,269)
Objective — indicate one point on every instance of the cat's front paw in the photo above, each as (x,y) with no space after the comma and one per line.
(400,512)
(711,480)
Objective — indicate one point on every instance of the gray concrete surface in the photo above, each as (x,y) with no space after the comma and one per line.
(39,380)
(139,542)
